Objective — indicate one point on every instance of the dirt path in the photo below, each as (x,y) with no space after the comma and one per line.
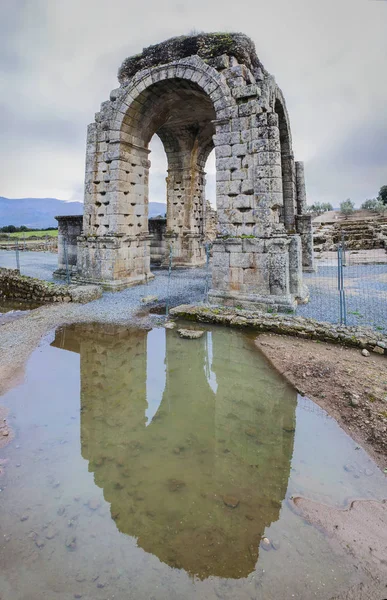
(349,386)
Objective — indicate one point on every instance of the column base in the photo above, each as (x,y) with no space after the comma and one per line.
(253,301)
(116,284)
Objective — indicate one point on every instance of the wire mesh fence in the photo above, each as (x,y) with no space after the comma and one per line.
(349,286)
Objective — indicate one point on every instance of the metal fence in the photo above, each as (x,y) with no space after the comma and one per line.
(349,287)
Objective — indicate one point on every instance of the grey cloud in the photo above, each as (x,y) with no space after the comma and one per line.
(59,61)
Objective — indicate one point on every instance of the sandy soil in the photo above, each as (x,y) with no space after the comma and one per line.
(362,530)
(350,387)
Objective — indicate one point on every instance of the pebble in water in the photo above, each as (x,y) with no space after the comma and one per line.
(231,501)
(71,542)
(265,544)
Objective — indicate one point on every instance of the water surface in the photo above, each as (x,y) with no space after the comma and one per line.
(149,466)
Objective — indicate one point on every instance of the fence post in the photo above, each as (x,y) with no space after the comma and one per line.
(17,255)
(344,258)
(340,285)
(169,279)
(66,261)
(46,242)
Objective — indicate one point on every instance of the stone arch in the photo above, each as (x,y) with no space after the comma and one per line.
(237,108)
(180,103)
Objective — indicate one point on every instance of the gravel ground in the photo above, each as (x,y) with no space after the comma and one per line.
(366,290)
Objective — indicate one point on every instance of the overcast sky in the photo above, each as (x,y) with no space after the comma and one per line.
(59,60)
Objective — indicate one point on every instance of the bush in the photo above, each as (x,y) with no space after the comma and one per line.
(347,207)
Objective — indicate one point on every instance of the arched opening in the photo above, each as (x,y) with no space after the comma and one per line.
(157,206)
(287,216)
(182,116)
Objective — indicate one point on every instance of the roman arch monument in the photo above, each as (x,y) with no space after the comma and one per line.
(198,93)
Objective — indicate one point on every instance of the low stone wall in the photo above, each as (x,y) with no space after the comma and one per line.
(14,286)
(361,337)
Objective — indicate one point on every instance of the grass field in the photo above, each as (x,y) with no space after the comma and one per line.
(27,234)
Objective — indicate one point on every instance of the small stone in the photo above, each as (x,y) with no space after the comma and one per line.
(265,544)
(24,518)
(61,511)
(231,501)
(5,432)
(365,352)
(39,542)
(251,431)
(94,504)
(18,464)
(275,544)
(101,584)
(80,578)
(50,533)
(378,350)
(355,400)
(170,325)
(149,299)
(77,595)
(190,334)
(175,485)
(71,542)
(176,450)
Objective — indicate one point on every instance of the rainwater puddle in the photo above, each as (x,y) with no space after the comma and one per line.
(147,466)
(13,309)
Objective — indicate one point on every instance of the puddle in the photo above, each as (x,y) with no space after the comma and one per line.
(13,309)
(149,466)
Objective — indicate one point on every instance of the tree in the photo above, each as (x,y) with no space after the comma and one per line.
(371,204)
(319,208)
(347,207)
(382,197)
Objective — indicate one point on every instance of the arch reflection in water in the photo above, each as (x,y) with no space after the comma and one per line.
(197,476)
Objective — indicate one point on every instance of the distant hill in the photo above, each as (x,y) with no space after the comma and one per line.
(40,212)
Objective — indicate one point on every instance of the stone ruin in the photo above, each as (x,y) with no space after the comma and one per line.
(198,93)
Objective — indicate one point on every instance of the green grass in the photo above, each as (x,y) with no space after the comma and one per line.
(27,234)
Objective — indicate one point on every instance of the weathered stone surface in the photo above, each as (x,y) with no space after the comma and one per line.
(360,337)
(20,287)
(190,334)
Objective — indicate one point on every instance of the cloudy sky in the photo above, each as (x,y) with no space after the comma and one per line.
(58,62)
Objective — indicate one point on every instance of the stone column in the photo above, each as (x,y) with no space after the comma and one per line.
(305,230)
(185,203)
(295,268)
(300,188)
(69,228)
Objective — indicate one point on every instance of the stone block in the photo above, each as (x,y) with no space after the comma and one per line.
(246,91)
(224,164)
(242,260)
(223,151)
(239,149)
(232,187)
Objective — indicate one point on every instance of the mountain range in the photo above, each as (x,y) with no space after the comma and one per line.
(40,213)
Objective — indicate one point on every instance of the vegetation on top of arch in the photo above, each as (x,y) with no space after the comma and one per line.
(205,45)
